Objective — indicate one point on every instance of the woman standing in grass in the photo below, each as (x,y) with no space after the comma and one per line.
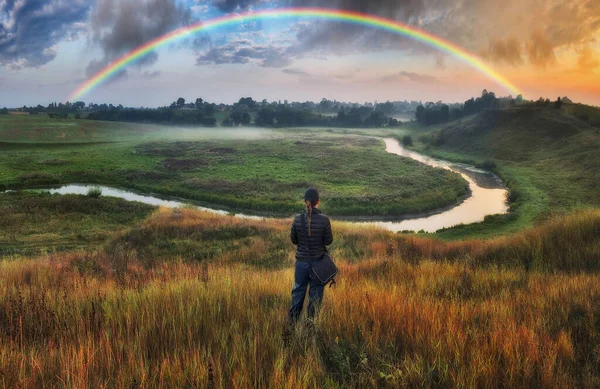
(311,233)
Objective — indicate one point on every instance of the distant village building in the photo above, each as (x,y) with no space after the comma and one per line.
(566,100)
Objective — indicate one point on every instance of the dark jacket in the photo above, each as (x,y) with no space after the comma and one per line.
(321,236)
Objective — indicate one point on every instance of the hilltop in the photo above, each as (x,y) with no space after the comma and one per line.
(521,133)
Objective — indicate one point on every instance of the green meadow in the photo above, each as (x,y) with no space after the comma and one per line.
(251,170)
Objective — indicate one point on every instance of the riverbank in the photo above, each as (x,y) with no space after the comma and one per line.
(548,158)
(481,201)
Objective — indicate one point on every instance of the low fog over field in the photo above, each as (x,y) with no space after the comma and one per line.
(202,134)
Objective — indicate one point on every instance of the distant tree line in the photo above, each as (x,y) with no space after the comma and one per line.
(282,115)
(160,115)
(180,113)
(436,113)
(333,106)
(246,111)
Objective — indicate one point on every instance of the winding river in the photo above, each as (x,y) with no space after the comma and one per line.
(487,197)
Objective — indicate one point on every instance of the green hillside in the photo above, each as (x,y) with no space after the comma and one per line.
(549,157)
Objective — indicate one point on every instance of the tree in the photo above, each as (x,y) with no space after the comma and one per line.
(420,114)
(209,109)
(470,107)
(393,122)
(236,117)
(180,102)
(558,103)
(265,117)
(444,113)
(247,101)
(199,102)
(375,119)
(455,113)
(246,118)
(325,105)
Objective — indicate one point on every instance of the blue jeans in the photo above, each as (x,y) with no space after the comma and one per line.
(303,277)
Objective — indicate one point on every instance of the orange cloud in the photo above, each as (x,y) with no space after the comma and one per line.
(540,50)
(508,51)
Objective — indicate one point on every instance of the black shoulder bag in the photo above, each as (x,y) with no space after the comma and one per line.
(324,269)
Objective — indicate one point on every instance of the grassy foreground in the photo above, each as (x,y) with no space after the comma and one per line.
(407,311)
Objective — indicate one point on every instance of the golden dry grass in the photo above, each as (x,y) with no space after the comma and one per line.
(113,319)
(567,243)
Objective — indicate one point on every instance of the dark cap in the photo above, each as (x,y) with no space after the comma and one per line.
(311,195)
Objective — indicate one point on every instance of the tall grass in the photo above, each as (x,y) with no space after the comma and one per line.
(117,318)
(387,323)
(565,243)
(568,243)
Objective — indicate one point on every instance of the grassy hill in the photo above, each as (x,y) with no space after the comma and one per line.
(190,299)
(550,157)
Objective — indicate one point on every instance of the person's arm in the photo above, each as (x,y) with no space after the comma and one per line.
(294,234)
(327,234)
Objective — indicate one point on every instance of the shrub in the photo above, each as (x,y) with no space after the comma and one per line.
(512,196)
(94,192)
(407,140)
(488,165)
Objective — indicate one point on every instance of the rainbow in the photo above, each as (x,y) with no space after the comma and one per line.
(314,13)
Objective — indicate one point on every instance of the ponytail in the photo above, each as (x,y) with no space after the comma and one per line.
(311,198)
(309,212)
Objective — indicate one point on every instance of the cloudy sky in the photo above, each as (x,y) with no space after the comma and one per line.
(48,47)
